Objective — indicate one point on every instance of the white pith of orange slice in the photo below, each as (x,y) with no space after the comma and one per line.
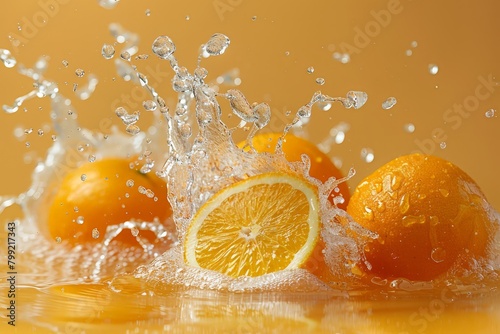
(257,226)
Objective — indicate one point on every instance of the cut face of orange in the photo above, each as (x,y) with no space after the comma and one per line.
(257,226)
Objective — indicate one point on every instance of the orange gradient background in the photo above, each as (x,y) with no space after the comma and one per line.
(272,45)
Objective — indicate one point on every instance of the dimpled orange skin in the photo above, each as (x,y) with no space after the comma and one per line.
(104,199)
(322,168)
(428,213)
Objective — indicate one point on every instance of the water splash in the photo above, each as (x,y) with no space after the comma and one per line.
(7,59)
(201,159)
(130,43)
(194,169)
(41,86)
(72,146)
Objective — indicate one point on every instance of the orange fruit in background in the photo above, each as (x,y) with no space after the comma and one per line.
(257,226)
(322,167)
(102,193)
(429,216)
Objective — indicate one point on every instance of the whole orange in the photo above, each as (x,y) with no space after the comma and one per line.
(429,216)
(322,167)
(102,193)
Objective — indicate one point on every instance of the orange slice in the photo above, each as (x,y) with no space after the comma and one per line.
(257,226)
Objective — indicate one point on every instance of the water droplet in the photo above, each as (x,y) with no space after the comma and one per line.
(65,63)
(380,206)
(396,180)
(149,105)
(79,72)
(148,12)
(83,177)
(200,72)
(108,4)
(414,44)
(134,231)
(120,112)
(187,17)
(404,203)
(310,70)
(442,145)
(325,106)
(240,106)
(438,255)
(254,18)
(108,51)
(216,45)
(389,103)
(434,221)
(80,220)
(344,58)
(141,57)
(304,111)
(433,69)
(320,81)
(356,99)
(7,59)
(163,47)
(92,158)
(412,220)
(444,192)
(368,213)
(127,119)
(132,129)
(367,155)
(409,127)
(125,55)
(490,113)
(95,233)
(409,52)
(40,132)
(58,240)
(287,53)
(185,130)
(130,183)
